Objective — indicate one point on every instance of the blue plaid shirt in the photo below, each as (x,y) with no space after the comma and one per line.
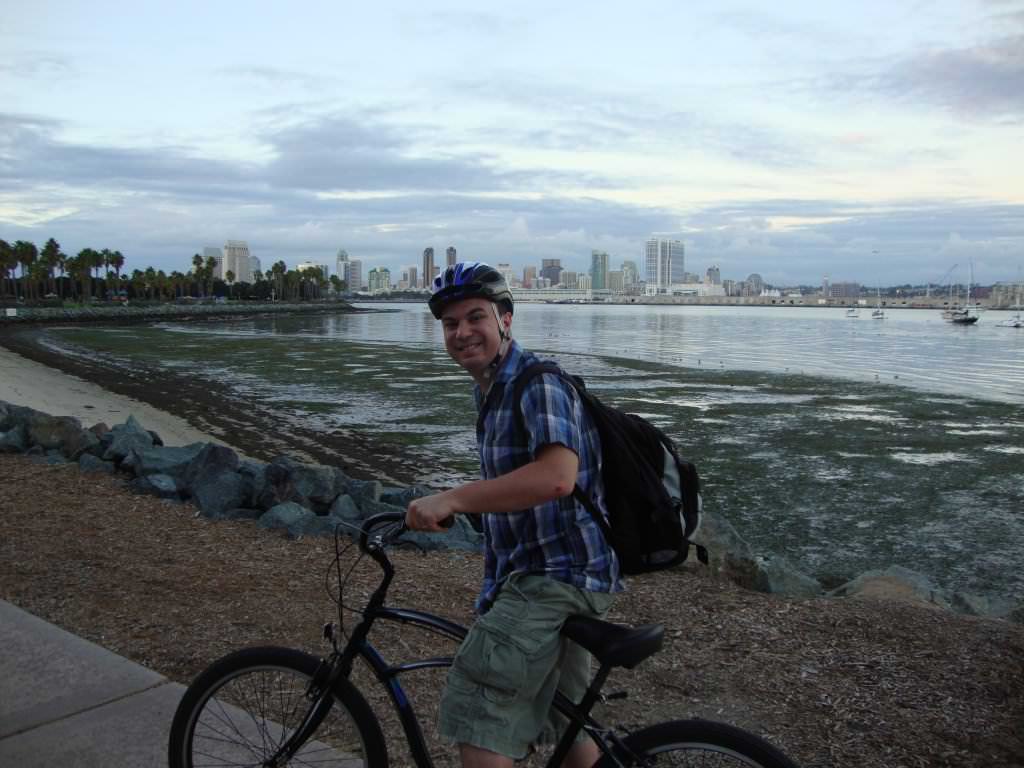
(560,539)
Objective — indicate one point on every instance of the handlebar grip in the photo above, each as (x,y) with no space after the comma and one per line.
(375,521)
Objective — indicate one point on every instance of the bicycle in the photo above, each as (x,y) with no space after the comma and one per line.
(268,707)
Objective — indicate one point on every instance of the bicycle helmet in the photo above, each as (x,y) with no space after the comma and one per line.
(469,280)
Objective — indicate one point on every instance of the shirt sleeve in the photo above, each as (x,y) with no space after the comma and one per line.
(552,414)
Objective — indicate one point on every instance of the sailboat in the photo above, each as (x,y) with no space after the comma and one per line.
(962,315)
(1015,321)
(853,312)
(878,313)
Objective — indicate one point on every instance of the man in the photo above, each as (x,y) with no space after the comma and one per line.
(544,555)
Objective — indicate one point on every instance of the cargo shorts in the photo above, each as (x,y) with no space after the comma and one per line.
(506,671)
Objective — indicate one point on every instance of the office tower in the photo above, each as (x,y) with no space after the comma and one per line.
(379,279)
(450,256)
(428,267)
(529,277)
(353,276)
(755,284)
(505,270)
(236,260)
(254,267)
(308,265)
(713,276)
(583,283)
(413,277)
(599,270)
(615,281)
(217,255)
(630,274)
(340,262)
(664,263)
(569,279)
(552,270)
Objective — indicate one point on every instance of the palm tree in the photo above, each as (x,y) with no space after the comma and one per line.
(87,258)
(49,259)
(26,253)
(208,270)
(229,278)
(8,261)
(117,262)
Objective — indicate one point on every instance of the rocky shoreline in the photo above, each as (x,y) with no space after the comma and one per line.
(315,499)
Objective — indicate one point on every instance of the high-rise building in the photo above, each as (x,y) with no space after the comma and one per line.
(529,277)
(450,256)
(236,261)
(755,284)
(664,263)
(340,262)
(379,280)
(630,274)
(353,275)
(254,267)
(569,279)
(713,276)
(552,270)
(505,270)
(615,281)
(583,283)
(599,270)
(308,265)
(413,277)
(428,267)
(212,252)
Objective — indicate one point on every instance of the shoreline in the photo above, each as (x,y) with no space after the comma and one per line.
(186,409)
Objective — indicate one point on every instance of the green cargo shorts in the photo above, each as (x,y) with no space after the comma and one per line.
(506,671)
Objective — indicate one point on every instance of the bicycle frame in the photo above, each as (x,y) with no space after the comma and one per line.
(358,646)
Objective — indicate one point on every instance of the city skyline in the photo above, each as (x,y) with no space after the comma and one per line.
(875,142)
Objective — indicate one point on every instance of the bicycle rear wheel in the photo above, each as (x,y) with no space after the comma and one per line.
(245,705)
(698,743)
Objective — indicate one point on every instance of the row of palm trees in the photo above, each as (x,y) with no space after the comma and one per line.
(50,273)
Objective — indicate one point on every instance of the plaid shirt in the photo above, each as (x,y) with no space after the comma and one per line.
(559,538)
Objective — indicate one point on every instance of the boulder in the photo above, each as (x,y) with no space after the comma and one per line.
(364,490)
(296,520)
(278,487)
(778,576)
(93,464)
(216,492)
(345,509)
(238,513)
(315,483)
(99,429)
(253,473)
(51,431)
(461,536)
(14,440)
(159,460)
(400,497)
(894,583)
(161,486)
(211,460)
(5,410)
(123,439)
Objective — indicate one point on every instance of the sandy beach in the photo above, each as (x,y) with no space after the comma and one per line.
(34,385)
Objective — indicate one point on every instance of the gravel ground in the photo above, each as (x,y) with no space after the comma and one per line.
(855,682)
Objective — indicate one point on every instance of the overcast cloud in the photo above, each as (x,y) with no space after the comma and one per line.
(877,143)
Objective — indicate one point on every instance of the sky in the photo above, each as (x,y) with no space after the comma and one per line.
(877,141)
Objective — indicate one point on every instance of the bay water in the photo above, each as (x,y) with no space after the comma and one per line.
(842,444)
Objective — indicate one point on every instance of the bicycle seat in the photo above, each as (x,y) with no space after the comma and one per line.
(614,645)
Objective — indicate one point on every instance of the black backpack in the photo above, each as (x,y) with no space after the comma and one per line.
(653,496)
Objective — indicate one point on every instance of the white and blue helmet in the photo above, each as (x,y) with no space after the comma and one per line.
(469,280)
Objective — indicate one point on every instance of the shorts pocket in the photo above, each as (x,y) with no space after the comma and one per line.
(494,662)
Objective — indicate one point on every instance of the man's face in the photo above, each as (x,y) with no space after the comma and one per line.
(471,333)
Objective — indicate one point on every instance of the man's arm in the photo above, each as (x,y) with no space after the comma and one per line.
(550,476)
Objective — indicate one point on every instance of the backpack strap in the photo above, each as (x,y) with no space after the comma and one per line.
(525,377)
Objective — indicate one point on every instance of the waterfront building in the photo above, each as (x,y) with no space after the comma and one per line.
(450,256)
(353,275)
(529,277)
(630,275)
(584,283)
(616,284)
(505,270)
(212,252)
(753,285)
(664,260)
(379,280)
(599,270)
(340,262)
(713,276)
(844,290)
(551,269)
(428,267)
(236,261)
(569,279)
(729,288)
(308,265)
(412,277)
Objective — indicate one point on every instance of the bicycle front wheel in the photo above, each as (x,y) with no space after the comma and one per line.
(697,743)
(245,706)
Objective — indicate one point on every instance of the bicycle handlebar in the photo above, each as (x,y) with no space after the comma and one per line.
(378,520)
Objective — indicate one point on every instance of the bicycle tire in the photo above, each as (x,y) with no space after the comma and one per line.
(697,743)
(243,706)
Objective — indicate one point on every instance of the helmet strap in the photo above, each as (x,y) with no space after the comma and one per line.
(506,341)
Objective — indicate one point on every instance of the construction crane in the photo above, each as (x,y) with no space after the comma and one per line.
(941,281)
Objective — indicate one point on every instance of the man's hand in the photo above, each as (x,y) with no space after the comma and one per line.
(430,513)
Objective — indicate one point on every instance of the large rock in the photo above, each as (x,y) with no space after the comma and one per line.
(296,520)
(92,464)
(161,486)
(316,484)
(14,440)
(364,491)
(211,460)
(461,536)
(894,583)
(160,460)
(215,493)
(400,497)
(345,509)
(125,438)
(253,474)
